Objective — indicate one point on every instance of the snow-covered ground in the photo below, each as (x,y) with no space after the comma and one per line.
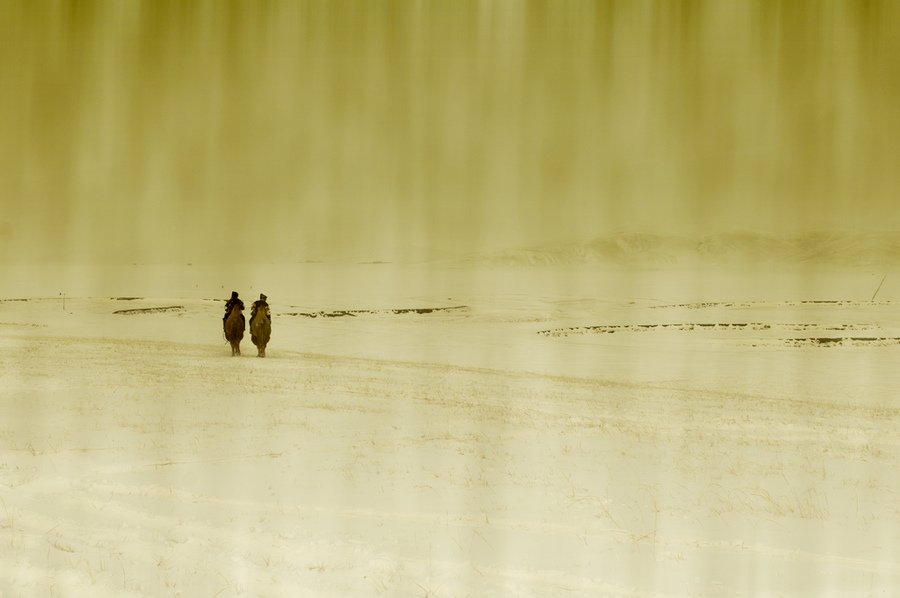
(443,432)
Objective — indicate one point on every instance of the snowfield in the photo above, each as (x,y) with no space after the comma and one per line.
(451,432)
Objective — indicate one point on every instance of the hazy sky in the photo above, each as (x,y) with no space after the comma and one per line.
(188,131)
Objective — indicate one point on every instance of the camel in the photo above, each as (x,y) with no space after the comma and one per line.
(234,329)
(261,329)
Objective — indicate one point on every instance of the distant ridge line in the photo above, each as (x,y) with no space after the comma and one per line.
(635,248)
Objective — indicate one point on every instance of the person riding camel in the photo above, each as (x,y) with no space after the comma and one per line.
(257,305)
(230,303)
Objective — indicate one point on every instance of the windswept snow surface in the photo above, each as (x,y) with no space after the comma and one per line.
(559,432)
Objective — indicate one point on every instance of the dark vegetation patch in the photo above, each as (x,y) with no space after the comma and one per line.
(149,310)
(738,326)
(357,312)
(841,341)
(708,304)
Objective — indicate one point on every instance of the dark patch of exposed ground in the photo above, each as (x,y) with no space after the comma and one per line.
(357,312)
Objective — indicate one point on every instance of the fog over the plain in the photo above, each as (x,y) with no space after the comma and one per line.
(652,349)
(208,131)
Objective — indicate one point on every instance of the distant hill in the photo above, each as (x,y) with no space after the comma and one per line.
(644,249)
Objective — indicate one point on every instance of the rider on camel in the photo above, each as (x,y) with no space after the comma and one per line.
(230,303)
(257,305)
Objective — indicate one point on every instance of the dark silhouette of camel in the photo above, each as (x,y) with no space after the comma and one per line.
(234,329)
(261,329)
